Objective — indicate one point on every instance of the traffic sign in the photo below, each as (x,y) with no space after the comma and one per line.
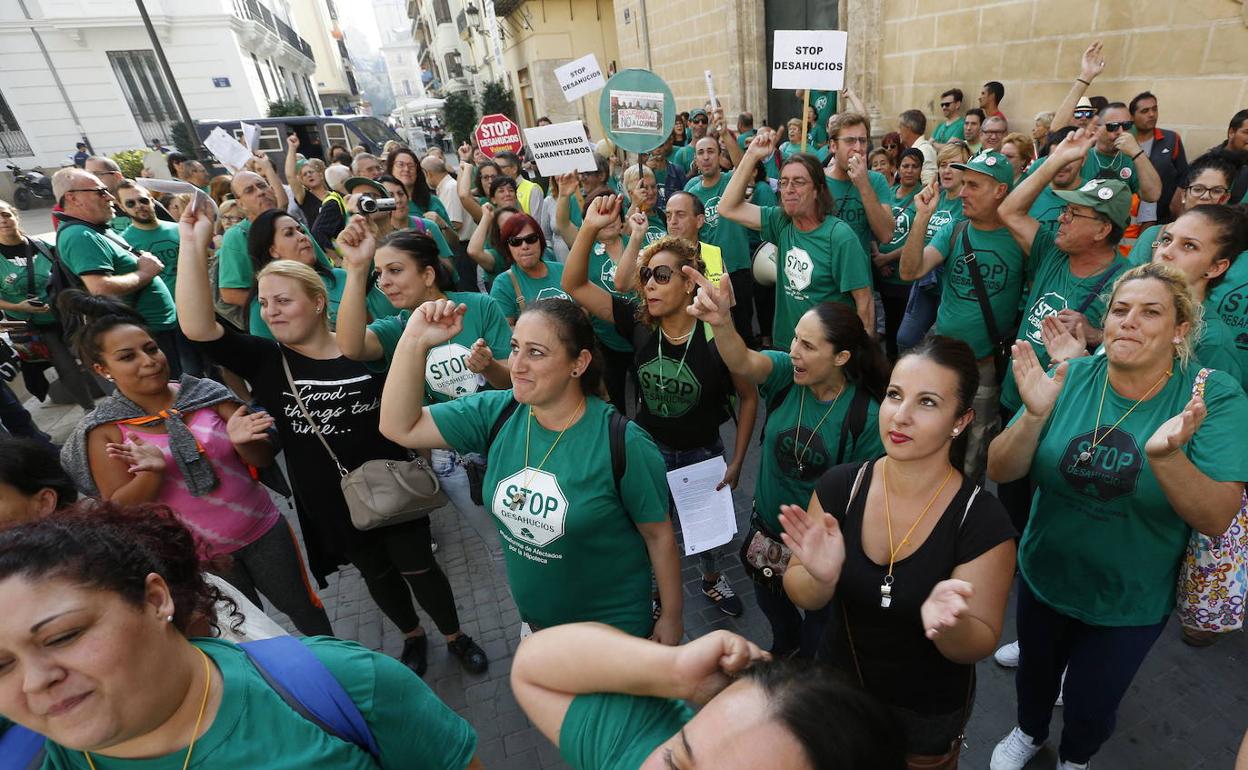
(498,133)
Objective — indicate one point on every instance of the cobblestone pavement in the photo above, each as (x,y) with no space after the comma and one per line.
(1186,709)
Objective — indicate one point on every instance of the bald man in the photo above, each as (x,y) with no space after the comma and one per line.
(446,188)
(108,172)
(107,265)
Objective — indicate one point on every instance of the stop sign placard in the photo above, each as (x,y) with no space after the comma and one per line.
(498,133)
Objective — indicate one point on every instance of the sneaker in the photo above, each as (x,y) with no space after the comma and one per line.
(1007,656)
(720,592)
(1064,765)
(1014,751)
(415,654)
(470,654)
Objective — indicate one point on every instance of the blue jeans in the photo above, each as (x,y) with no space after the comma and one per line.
(920,314)
(448,466)
(1099,661)
(792,629)
(16,419)
(679,458)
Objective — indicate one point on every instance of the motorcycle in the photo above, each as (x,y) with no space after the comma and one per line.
(31,184)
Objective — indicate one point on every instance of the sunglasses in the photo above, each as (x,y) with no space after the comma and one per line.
(703,121)
(516,240)
(946,105)
(662,274)
(100,191)
(1119,125)
(137,201)
(1084,113)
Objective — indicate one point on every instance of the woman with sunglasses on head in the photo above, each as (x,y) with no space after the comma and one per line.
(24,272)
(911,560)
(684,392)
(341,397)
(410,274)
(834,368)
(577,491)
(189,445)
(1130,452)
(99,669)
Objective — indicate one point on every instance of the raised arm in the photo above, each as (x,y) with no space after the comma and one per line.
(1092,65)
(404,419)
(1010,454)
(555,665)
(292,172)
(463,183)
(733,204)
(879,213)
(563,208)
(1150,180)
(263,165)
(357,245)
(626,270)
(917,258)
(713,305)
(576,270)
(1014,209)
(476,244)
(722,129)
(193,291)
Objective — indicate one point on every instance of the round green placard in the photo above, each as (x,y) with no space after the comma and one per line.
(637,110)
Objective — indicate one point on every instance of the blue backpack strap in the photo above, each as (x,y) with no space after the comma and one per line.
(302,680)
(21,749)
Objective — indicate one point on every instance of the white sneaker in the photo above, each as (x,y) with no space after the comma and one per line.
(1007,656)
(1064,765)
(1014,751)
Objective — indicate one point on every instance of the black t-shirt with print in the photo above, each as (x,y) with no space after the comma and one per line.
(344,397)
(899,664)
(682,406)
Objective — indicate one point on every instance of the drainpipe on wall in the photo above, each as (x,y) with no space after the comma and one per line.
(56,77)
(645,33)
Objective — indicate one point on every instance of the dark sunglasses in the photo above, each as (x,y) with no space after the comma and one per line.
(662,274)
(516,240)
(100,191)
(1084,113)
(1120,125)
(703,121)
(137,201)
(946,104)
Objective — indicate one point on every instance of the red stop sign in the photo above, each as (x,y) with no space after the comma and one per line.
(498,133)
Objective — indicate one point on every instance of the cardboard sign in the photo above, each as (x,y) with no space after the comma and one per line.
(580,78)
(497,133)
(560,148)
(637,110)
(809,59)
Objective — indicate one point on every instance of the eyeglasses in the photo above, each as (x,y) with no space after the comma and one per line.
(1200,191)
(516,240)
(100,191)
(854,140)
(1068,214)
(137,201)
(994,132)
(794,182)
(662,274)
(1119,125)
(1084,114)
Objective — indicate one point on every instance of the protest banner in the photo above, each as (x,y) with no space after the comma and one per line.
(809,59)
(580,77)
(560,148)
(498,133)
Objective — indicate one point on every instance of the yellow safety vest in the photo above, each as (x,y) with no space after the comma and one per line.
(524,191)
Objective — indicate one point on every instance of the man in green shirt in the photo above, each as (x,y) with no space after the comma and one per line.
(951,106)
(257,192)
(972,130)
(108,172)
(683,157)
(729,236)
(745,129)
(860,196)
(986,180)
(1116,155)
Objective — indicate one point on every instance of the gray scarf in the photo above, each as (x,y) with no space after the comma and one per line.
(193,394)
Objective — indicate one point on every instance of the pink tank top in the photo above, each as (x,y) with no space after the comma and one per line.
(229,517)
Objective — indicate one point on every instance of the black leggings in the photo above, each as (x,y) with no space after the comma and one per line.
(399,559)
(619,362)
(894,299)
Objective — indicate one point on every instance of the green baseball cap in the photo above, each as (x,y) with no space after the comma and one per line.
(991,163)
(357,181)
(1110,197)
(696,111)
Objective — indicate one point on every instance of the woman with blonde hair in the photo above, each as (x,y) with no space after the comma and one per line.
(1021,151)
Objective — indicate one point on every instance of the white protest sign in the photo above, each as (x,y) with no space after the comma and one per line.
(251,136)
(809,59)
(580,78)
(227,149)
(560,148)
(710,91)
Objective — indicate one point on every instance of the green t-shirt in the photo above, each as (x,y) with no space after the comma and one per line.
(656,227)
(602,275)
(847,204)
(947,210)
(435,205)
(824,264)
(376,302)
(824,103)
(792,459)
(903,218)
(1229,299)
(611,731)
(1103,545)
(1053,289)
(446,370)
(761,196)
(532,289)
(1142,249)
(162,242)
(1098,165)
(85,250)
(729,236)
(1047,208)
(682,157)
(573,534)
(1001,264)
(1216,347)
(255,728)
(745,137)
(234,270)
(500,264)
(946,131)
(14,280)
(119,223)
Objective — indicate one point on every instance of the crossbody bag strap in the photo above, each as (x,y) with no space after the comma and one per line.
(30,267)
(853,653)
(1098,288)
(294,390)
(981,291)
(515,285)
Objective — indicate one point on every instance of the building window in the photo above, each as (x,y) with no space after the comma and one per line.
(407,88)
(442,11)
(260,74)
(453,70)
(526,97)
(12,141)
(146,93)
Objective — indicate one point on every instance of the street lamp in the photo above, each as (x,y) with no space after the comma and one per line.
(474,16)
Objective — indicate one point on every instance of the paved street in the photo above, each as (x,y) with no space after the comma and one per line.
(1187,708)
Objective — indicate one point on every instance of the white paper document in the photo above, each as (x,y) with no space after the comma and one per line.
(176,186)
(227,149)
(707,517)
(251,135)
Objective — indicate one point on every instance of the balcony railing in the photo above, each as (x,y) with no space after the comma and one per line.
(261,15)
(504,8)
